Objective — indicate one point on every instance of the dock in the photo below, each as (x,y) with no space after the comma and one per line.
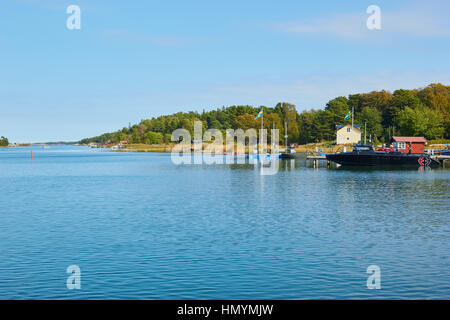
(316,159)
(444,160)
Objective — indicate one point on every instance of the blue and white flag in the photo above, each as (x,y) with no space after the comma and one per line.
(348,115)
(259,114)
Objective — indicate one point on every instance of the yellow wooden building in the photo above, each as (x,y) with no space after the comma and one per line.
(346,134)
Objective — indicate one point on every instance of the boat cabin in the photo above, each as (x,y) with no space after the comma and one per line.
(409,145)
(362,147)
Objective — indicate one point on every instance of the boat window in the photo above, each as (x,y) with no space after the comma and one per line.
(364,148)
(400,145)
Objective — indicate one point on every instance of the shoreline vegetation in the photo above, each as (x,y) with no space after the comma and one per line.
(323,147)
(417,112)
(4,141)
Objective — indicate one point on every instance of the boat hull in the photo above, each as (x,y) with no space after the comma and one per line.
(383,159)
(287,156)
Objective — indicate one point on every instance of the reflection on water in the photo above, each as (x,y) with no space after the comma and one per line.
(140,227)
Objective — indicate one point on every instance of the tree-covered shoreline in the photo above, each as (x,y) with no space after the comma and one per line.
(417,112)
(4,141)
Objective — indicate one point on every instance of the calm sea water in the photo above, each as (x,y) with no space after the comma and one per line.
(140,227)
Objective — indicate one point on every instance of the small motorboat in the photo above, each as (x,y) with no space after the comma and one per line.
(289,154)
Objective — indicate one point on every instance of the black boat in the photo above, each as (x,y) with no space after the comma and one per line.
(288,154)
(364,155)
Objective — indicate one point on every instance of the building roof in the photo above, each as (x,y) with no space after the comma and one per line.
(339,126)
(409,139)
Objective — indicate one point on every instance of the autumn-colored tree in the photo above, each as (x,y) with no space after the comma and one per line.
(246,121)
(437,97)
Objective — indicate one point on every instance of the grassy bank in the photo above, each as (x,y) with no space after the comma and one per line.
(146,148)
(438,142)
(324,147)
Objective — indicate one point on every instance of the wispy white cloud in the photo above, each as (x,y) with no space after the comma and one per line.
(412,21)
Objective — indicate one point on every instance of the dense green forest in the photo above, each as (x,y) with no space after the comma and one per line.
(418,112)
(4,141)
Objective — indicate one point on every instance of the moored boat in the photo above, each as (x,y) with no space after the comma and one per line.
(288,154)
(364,155)
(264,156)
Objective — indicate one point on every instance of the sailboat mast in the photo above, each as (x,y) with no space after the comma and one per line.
(262,120)
(260,135)
(271,136)
(285,135)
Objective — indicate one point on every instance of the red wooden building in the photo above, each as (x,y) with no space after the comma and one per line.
(409,145)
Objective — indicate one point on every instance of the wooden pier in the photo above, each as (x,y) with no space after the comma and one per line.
(444,160)
(316,159)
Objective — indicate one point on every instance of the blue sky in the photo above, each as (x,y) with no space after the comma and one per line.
(133,60)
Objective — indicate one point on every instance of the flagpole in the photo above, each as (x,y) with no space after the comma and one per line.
(262,118)
(365,130)
(352,116)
